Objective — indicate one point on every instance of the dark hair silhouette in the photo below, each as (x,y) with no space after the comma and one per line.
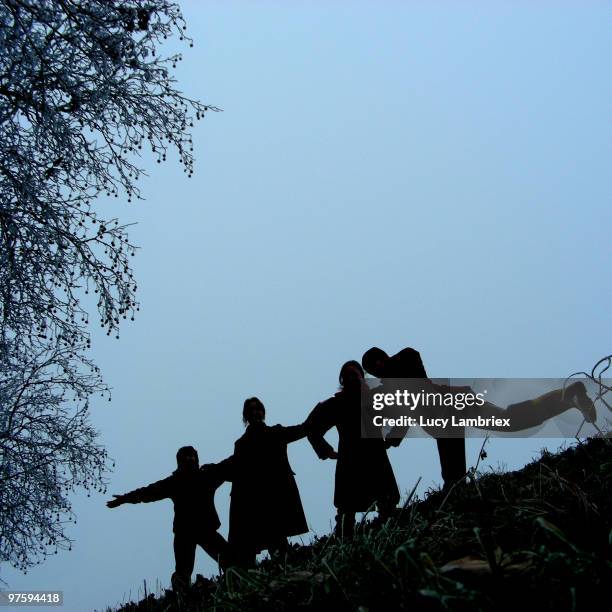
(246,409)
(185,451)
(371,356)
(349,364)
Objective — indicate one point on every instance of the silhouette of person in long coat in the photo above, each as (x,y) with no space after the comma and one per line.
(265,506)
(192,490)
(364,475)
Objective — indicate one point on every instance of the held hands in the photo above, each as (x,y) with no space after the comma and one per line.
(332,454)
(113,503)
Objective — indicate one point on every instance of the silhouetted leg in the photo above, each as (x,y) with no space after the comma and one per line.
(530,413)
(215,546)
(184,558)
(241,554)
(345,523)
(452,460)
(247,557)
(386,509)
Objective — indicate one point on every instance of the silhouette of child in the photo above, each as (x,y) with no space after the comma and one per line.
(192,490)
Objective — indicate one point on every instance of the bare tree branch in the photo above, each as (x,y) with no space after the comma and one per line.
(83,88)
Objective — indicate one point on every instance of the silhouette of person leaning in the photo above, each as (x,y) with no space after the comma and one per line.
(523,415)
(265,506)
(192,490)
(364,475)
(408,364)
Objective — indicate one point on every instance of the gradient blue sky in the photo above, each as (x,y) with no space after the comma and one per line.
(431,174)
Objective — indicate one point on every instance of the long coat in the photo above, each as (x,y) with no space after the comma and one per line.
(265,501)
(193,495)
(364,474)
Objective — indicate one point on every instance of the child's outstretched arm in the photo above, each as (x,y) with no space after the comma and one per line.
(219,472)
(153,492)
(292,433)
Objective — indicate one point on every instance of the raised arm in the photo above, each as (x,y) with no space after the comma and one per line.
(153,492)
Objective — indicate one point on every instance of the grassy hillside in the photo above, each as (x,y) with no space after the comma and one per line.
(539,538)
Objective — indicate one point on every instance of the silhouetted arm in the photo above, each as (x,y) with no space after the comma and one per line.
(397,433)
(292,433)
(420,385)
(219,472)
(406,364)
(161,489)
(319,421)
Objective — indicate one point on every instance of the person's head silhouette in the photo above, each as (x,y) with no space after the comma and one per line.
(351,375)
(253,411)
(374,361)
(187,458)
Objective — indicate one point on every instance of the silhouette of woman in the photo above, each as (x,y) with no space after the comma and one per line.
(265,506)
(364,475)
